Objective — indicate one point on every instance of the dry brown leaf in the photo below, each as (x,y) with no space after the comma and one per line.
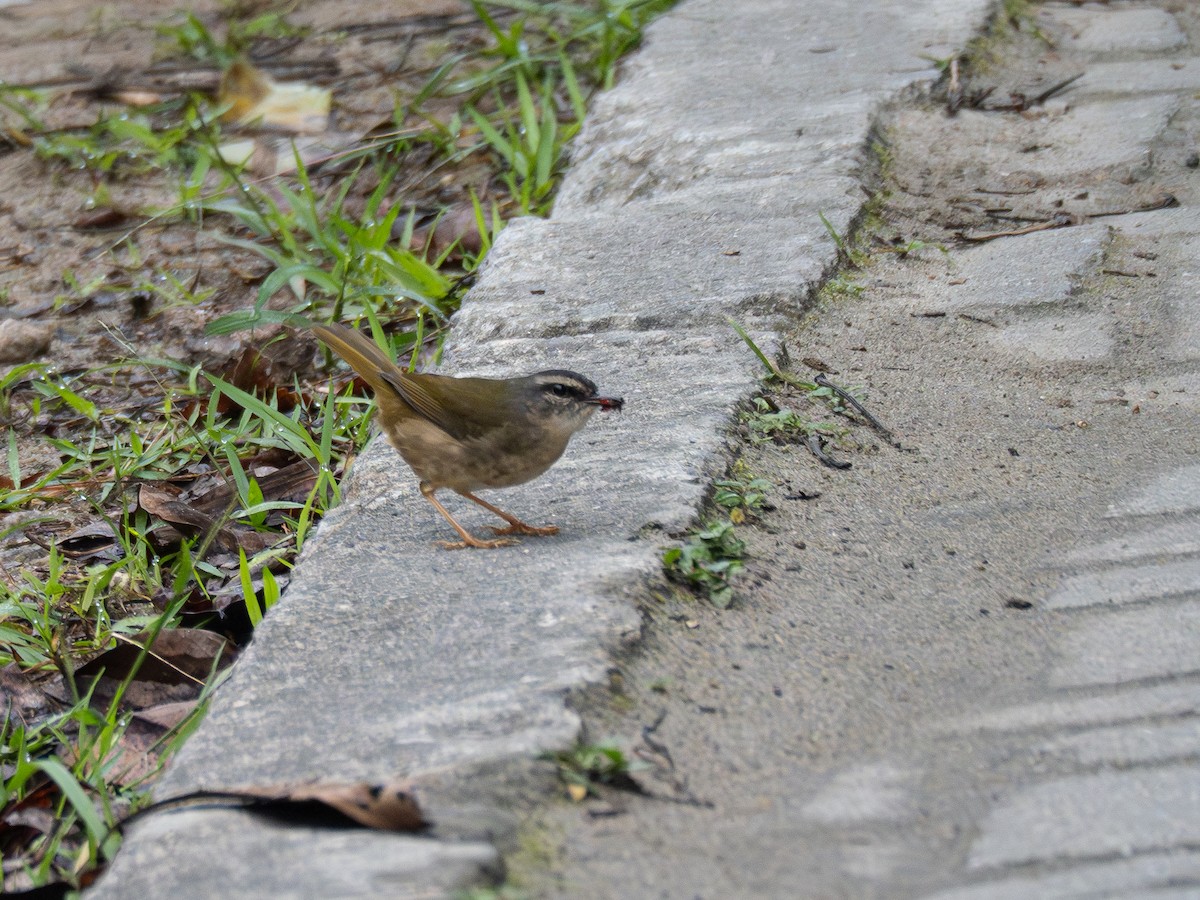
(165,502)
(138,752)
(174,670)
(384,807)
(389,806)
(94,541)
(252,97)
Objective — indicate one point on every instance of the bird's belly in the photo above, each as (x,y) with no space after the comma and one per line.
(494,460)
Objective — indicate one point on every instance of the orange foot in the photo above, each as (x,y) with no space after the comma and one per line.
(475,543)
(519,527)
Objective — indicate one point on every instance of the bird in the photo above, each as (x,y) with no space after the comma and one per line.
(470,434)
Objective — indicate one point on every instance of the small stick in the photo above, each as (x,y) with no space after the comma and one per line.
(813,442)
(862,410)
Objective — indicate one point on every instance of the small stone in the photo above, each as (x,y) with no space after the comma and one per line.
(21,342)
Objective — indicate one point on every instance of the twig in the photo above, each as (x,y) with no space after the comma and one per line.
(813,442)
(859,408)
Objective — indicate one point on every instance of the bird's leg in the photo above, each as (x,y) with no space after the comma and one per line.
(468,539)
(515,525)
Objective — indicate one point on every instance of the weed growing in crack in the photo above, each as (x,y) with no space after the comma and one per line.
(707,561)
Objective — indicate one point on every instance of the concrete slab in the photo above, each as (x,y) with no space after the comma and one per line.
(1091,817)
(1097,652)
(1153,874)
(1128,584)
(1131,705)
(1176,491)
(1129,745)
(1097,32)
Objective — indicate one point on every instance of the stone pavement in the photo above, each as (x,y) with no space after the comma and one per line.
(697,193)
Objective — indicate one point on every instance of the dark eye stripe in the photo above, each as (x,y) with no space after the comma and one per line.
(559,389)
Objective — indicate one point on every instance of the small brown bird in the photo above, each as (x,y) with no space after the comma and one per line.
(471,433)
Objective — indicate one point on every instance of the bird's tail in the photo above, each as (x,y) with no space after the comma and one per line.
(364,356)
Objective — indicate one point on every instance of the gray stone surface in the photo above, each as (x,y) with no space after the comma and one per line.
(1131,744)
(1163,700)
(1077,336)
(1172,539)
(1151,875)
(1133,30)
(205,853)
(1038,269)
(1151,76)
(1128,584)
(871,792)
(1089,817)
(1166,636)
(1175,491)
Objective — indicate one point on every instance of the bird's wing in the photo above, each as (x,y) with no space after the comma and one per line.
(464,408)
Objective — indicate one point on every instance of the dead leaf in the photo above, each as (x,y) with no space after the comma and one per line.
(20,698)
(27,819)
(166,715)
(138,752)
(390,806)
(173,670)
(94,541)
(275,155)
(166,503)
(134,97)
(457,227)
(384,807)
(105,217)
(251,372)
(254,98)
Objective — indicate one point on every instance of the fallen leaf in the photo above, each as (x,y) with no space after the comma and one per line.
(252,97)
(20,698)
(106,217)
(133,97)
(94,541)
(384,807)
(174,668)
(389,806)
(138,751)
(166,502)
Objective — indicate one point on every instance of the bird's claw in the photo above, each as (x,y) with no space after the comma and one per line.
(475,544)
(522,528)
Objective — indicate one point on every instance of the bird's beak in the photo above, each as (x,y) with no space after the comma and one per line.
(607,402)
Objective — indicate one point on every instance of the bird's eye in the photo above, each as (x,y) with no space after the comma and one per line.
(559,390)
